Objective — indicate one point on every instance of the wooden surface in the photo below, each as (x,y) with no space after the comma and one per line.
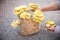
(7,16)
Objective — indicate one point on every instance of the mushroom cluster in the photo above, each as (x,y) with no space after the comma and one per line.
(38,16)
(50,25)
(28,22)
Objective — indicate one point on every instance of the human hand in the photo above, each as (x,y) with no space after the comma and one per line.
(51,7)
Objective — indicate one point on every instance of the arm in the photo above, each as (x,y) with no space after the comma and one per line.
(51,7)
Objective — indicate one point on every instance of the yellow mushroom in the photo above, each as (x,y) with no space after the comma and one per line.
(33,6)
(25,15)
(51,23)
(47,25)
(38,16)
(15,23)
(24,7)
(20,9)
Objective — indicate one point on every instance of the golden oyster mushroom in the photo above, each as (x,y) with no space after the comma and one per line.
(38,11)
(24,7)
(28,26)
(51,23)
(15,23)
(36,20)
(38,16)
(25,15)
(47,25)
(33,6)
(20,9)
